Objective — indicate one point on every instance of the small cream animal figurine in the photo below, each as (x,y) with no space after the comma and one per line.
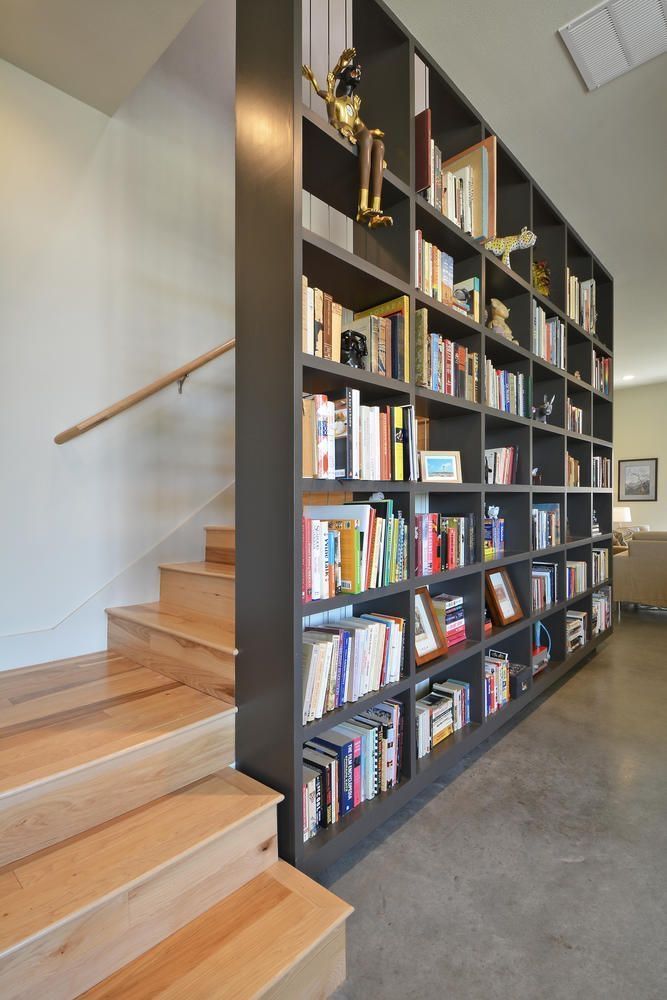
(497,321)
(503,246)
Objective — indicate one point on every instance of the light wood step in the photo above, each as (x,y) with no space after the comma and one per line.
(205,587)
(191,648)
(77,912)
(220,544)
(86,739)
(281,937)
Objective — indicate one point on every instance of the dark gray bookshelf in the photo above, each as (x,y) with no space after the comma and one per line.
(284,148)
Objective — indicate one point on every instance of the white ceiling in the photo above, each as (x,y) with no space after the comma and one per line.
(600,156)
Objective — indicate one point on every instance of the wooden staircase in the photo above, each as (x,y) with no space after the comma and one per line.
(135,863)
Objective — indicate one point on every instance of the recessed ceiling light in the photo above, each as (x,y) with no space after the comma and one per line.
(627,378)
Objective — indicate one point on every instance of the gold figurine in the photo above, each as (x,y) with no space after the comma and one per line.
(343,113)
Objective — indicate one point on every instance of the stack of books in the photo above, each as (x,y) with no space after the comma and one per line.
(544,585)
(444,542)
(576,626)
(575,417)
(600,566)
(443,365)
(349,658)
(341,439)
(444,711)
(601,472)
(350,548)
(576,573)
(451,616)
(507,391)
(573,471)
(548,337)
(601,610)
(494,538)
(434,273)
(500,465)
(546,525)
(601,372)
(496,681)
(350,764)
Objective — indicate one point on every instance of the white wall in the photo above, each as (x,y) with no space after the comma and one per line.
(640,422)
(116,265)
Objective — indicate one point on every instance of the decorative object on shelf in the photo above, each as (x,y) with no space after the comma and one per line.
(353,348)
(343,112)
(503,246)
(492,510)
(543,409)
(542,277)
(497,321)
(577,374)
(595,524)
(430,643)
(638,479)
(441,467)
(503,603)
(536,476)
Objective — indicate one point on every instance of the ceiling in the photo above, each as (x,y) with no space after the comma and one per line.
(600,156)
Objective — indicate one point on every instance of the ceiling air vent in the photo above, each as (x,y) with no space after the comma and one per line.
(614,37)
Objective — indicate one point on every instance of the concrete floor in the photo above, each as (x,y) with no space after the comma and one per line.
(538,871)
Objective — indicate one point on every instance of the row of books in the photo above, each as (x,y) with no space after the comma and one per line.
(443,365)
(573,471)
(544,585)
(601,610)
(434,270)
(352,547)
(602,472)
(350,764)
(581,304)
(574,417)
(600,566)
(548,337)
(462,187)
(494,538)
(443,711)
(507,391)
(601,372)
(496,681)
(576,630)
(341,439)
(546,525)
(501,464)
(576,577)
(349,658)
(444,541)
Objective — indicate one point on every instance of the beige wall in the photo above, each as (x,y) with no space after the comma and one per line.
(640,431)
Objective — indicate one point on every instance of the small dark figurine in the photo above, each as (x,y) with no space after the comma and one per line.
(543,410)
(536,476)
(353,349)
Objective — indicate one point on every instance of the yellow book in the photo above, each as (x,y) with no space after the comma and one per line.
(397,436)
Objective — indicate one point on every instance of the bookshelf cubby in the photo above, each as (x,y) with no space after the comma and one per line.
(285,147)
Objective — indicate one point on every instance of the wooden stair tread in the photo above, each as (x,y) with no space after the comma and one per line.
(58,717)
(219,527)
(71,877)
(239,948)
(227,572)
(181,622)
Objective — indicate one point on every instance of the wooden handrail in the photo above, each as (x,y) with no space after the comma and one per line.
(141,394)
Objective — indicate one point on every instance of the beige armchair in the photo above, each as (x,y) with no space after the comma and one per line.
(640,574)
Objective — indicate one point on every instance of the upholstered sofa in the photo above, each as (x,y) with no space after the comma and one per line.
(640,574)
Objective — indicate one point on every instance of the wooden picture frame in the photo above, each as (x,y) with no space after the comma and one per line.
(430,642)
(441,466)
(504,604)
(638,480)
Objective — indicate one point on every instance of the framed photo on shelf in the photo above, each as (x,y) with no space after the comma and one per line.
(503,603)
(638,479)
(441,467)
(429,639)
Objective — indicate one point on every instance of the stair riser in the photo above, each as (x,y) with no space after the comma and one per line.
(68,959)
(208,595)
(208,670)
(221,545)
(316,976)
(53,810)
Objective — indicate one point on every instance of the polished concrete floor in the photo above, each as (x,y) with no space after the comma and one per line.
(538,871)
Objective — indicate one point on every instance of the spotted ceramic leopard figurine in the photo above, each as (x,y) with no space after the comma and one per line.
(502,246)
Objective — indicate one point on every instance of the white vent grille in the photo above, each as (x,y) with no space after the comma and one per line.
(614,37)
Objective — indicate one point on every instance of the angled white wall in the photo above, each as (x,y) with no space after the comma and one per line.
(116,265)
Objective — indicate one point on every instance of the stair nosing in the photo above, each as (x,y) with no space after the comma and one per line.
(226,571)
(128,615)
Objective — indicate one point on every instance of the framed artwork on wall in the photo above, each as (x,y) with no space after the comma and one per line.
(638,479)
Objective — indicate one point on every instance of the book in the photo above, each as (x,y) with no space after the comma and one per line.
(397,312)
(546,525)
(544,585)
(443,365)
(462,187)
(501,464)
(450,613)
(494,538)
(507,391)
(434,270)
(548,340)
(444,542)
(496,681)
(602,378)
(574,417)
(576,577)
(423,150)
